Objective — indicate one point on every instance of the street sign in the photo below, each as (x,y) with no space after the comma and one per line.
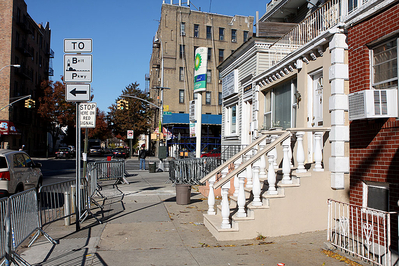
(77,92)
(77,68)
(167,113)
(78,45)
(87,115)
(130,134)
(192,111)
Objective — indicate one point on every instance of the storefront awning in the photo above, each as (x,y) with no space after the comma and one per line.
(178,118)
(8,128)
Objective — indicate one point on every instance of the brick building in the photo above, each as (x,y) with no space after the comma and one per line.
(374,142)
(26,43)
(181,30)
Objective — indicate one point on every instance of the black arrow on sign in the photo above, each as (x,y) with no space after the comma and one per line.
(74,92)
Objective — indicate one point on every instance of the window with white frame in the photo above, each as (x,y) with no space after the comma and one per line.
(233,35)
(376,195)
(220,99)
(181,73)
(181,96)
(279,110)
(385,65)
(196,31)
(182,28)
(231,120)
(208,76)
(208,98)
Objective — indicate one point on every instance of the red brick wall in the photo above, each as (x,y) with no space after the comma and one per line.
(374,154)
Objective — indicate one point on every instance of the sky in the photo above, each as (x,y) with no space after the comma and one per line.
(122,32)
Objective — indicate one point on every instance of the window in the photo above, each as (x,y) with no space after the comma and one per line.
(182,50)
(231,120)
(233,35)
(209,76)
(182,28)
(195,96)
(196,31)
(245,36)
(195,49)
(221,34)
(181,73)
(279,111)
(220,99)
(221,55)
(209,54)
(208,98)
(385,65)
(209,32)
(376,195)
(181,96)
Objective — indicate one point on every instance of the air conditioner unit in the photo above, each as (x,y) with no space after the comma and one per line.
(369,104)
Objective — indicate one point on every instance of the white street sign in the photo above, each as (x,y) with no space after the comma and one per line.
(78,45)
(130,134)
(77,92)
(87,115)
(77,68)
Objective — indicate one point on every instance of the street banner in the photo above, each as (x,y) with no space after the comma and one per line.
(201,64)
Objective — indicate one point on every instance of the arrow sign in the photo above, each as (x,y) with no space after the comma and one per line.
(77,92)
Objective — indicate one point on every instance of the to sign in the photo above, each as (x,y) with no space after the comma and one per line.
(77,92)
(130,134)
(87,115)
(77,45)
(77,68)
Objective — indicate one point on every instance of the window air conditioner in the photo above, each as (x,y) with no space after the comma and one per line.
(370,104)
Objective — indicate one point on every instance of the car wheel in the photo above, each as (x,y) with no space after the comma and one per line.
(19,188)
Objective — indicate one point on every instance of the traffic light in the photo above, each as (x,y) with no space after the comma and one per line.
(123,104)
(32,103)
(126,104)
(120,105)
(27,103)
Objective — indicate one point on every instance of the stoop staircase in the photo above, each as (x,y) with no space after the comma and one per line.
(268,200)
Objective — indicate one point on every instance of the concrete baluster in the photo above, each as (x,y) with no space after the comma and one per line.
(300,153)
(256,187)
(271,176)
(262,163)
(249,173)
(290,151)
(211,196)
(286,162)
(241,196)
(225,206)
(237,164)
(274,151)
(318,155)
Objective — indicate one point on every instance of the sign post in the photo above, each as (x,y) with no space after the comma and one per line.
(77,73)
(130,136)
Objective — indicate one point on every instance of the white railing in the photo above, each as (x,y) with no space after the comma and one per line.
(361,231)
(250,164)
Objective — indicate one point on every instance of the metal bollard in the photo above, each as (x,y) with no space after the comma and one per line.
(67,208)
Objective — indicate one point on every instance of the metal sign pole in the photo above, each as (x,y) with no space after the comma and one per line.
(78,150)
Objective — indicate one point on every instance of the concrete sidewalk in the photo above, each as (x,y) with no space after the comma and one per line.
(154,230)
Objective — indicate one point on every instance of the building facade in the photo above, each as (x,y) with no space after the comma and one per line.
(23,42)
(181,30)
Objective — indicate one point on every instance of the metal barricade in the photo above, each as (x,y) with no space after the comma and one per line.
(3,211)
(56,201)
(190,171)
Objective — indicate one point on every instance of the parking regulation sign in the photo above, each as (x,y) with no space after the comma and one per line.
(130,134)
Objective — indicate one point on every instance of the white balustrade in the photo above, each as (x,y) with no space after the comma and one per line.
(300,154)
(274,150)
(211,196)
(249,173)
(262,163)
(318,155)
(225,206)
(241,196)
(256,189)
(271,176)
(237,164)
(286,162)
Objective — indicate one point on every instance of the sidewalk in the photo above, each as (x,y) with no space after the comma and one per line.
(154,230)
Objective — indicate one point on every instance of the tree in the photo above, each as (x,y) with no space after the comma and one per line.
(101,131)
(137,117)
(54,109)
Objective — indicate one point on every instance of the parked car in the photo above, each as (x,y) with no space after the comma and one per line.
(96,151)
(212,153)
(120,152)
(64,152)
(18,172)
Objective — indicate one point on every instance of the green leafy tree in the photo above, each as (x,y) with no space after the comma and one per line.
(137,116)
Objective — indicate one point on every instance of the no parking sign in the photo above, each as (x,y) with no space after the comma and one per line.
(130,134)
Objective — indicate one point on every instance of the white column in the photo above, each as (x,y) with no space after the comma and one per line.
(241,196)
(318,155)
(262,163)
(271,176)
(211,196)
(225,206)
(274,151)
(249,173)
(286,163)
(237,164)
(256,187)
(300,153)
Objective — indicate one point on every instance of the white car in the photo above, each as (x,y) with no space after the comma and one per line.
(18,172)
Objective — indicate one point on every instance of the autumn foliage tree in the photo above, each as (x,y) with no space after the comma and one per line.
(54,109)
(101,131)
(137,117)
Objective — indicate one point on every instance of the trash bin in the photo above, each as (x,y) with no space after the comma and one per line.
(152,166)
(183,194)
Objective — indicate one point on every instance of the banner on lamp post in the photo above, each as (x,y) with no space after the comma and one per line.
(201,64)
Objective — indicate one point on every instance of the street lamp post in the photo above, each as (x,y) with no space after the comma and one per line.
(17,66)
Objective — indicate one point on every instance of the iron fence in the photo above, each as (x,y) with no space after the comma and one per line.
(3,211)
(360,231)
(190,171)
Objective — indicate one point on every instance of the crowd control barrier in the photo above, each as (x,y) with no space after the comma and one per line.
(191,170)
(3,210)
